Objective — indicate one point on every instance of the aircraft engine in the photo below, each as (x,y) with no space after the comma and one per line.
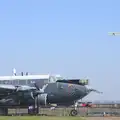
(42,99)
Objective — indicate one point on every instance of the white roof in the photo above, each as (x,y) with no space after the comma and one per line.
(24,77)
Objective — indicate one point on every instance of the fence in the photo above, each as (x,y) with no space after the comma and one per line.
(66,111)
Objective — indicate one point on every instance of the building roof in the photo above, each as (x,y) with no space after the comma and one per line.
(25,77)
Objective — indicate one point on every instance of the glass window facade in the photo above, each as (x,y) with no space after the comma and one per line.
(39,82)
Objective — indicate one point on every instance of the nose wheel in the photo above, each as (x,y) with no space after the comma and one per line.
(73,112)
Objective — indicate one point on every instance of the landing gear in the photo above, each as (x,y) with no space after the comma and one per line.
(34,109)
(36,105)
(73,112)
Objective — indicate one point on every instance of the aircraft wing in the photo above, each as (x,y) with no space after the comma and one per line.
(12,88)
(9,93)
(18,88)
(7,87)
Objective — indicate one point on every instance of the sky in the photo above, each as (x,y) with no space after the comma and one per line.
(63,37)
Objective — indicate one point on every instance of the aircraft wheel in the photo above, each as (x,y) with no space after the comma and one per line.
(73,112)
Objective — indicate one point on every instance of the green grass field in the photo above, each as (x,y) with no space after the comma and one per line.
(39,118)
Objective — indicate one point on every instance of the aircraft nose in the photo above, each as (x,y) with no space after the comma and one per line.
(88,88)
(80,91)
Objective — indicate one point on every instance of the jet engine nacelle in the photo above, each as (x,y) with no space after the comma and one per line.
(42,99)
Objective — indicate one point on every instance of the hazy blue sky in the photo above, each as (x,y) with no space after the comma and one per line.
(67,37)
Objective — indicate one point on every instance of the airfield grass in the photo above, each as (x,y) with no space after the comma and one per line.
(56,118)
(39,118)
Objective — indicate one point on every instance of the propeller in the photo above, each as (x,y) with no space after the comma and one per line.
(36,95)
(37,87)
(38,91)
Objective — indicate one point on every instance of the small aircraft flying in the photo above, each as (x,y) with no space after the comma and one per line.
(113,33)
